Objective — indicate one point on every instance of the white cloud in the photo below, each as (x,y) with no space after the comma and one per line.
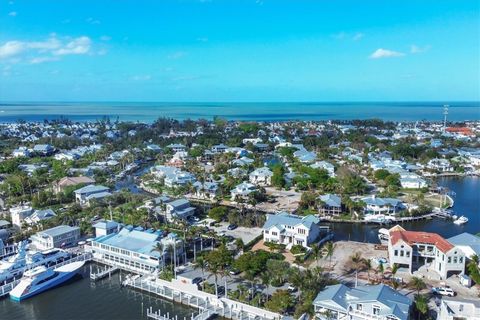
(384,53)
(417,49)
(177,55)
(38,60)
(357,36)
(42,51)
(143,77)
(80,45)
(12,14)
(11,48)
(92,21)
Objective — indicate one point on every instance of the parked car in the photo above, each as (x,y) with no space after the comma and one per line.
(232,227)
(234,271)
(197,280)
(443,291)
(291,288)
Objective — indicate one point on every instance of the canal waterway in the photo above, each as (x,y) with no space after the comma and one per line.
(467,203)
(83,299)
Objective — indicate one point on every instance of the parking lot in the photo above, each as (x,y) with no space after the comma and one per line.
(246,234)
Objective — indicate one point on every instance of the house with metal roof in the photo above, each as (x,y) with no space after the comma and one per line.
(39,215)
(467,242)
(179,209)
(331,204)
(458,308)
(88,193)
(242,190)
(289,229)
(134,249)
(261,176)
(56,237)
(377,205)
(363,302)
(206,190)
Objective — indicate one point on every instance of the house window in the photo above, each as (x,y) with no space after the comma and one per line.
(359,307)
(460,259)
(266,231)
(376,310)
(401,253)
(460,308)
(301,231)
(395,253)
(449,260)
(408,254)
(274,233)
(454,259)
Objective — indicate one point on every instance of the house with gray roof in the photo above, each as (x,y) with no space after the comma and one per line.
(331,205)
(377,205)
(261,176)
(206,190)
(56,237)
(289,229)
(458,308)
(363,302)
(179,209)
(88,193)
(468,243)
(242,191)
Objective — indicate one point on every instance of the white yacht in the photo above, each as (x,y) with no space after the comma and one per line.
(461,220)
(14,266)
(40,279)
(383,235)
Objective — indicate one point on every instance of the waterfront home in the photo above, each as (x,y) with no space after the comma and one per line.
(290,229)
(468,243)
(261,176)
(56,237)
(325,166)
(171,176)
(363,302)
(84,195)
(242,191)
(65,182)
(43,149)
(429,252)
(177,147)
(105,227)
(331,204)
(179,209)
(19,213)
(243,161)
(459,308)
(133,249)
(376,205)
(441,165)
(39,215)
(207,190)
(412,182)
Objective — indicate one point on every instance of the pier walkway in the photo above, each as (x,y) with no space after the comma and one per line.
(108,271)
(208,304)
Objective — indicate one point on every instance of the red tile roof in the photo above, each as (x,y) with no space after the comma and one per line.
(413,237)
(463,130)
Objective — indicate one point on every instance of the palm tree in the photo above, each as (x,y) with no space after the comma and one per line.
(330,246)
(367,263)
(201,264)
(357,264)
(316,252)
(421,306)
(159,247)
(266,278)
(417,284)
(381,269)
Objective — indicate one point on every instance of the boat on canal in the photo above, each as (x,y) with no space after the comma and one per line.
(40,279)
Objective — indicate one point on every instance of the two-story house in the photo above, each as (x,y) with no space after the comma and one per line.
(415,249)
(290,229)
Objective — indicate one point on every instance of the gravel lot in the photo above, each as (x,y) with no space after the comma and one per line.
(246,234)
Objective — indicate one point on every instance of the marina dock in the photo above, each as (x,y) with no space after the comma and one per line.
(108,271)
(188,294)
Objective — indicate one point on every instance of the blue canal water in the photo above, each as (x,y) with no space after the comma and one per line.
(149,111)
(82,299)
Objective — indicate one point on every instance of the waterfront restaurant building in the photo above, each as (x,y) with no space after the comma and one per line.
(133,249)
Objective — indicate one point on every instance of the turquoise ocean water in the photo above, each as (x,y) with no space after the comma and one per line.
(149,111)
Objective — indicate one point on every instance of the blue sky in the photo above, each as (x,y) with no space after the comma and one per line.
(260,50)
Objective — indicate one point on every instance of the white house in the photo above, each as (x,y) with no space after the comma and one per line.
(414,250)
(206,190)
(261,176)
(376,205)
(19,213)
(442,165)
(379,302)
(325,166)
(459,308)
(290,229)
(242,190)
(56,237)
(84,195)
